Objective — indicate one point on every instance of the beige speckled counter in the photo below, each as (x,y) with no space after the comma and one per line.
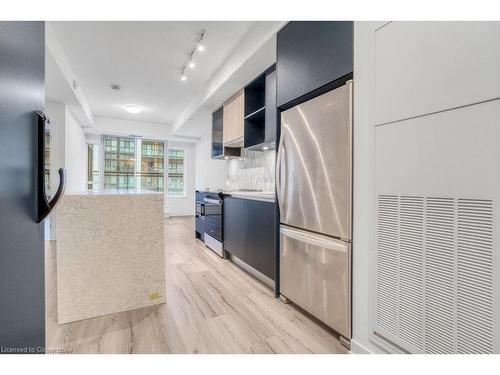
(110,253)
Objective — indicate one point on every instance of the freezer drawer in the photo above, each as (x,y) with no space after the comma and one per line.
(315,274)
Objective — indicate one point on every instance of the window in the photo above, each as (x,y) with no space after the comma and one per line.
(93,166)
(152,156)
(176,173)
(133,163)
(119,163)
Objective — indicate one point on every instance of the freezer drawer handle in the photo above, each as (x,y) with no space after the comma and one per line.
(315,240)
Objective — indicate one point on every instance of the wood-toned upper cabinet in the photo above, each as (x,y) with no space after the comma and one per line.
(233,120)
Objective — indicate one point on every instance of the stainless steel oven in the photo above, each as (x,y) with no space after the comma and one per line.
(213,223)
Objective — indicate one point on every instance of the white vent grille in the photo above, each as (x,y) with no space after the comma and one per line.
(435,273)
(475,269)
(411,270)
(440,276)
(387,263)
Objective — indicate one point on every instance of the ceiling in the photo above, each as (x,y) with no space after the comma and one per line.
(145,59)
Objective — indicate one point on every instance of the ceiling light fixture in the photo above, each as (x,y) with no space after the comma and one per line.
(133,109)
(198,46)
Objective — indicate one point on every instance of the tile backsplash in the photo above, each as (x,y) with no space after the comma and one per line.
(253,170)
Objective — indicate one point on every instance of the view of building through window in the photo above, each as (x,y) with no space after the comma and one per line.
(119,163)
(176,173)
(131,163)
(152,156)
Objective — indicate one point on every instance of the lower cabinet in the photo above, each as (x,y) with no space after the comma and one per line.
(249,230)
(200,227)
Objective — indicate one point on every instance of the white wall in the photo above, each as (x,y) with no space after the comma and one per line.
(184,205)
(68,150)
(126,127)
(423,127)
(68,147)
(75,155)
(210,173)
(56,112)
(363,189)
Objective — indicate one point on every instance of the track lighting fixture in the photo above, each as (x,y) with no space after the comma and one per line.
(198,46)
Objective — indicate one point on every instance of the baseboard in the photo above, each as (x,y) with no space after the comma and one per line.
(357,348)
(171,214)
(377,345)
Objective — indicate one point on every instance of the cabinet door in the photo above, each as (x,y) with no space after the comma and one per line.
(311,55)
(217,133)
(226,121)
(271,115)
(249,232)
(233,119)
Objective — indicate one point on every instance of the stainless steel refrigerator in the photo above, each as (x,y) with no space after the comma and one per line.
(314,189)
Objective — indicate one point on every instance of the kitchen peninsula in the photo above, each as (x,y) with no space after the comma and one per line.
(110,252)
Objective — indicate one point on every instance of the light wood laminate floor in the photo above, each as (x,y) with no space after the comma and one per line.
(212,307)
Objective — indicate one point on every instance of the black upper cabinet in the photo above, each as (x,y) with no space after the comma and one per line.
(255,101)
(260,111)
(217,127)
(310,55)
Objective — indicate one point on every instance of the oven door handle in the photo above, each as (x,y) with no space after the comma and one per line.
(213,201)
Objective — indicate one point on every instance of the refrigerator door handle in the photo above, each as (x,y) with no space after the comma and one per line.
(277,171)
(44,207)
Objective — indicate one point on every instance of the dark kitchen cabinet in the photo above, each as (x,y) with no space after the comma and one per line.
(271,112)
(310,55)
(217,127)
(218,149)
(249,227)
(260,112)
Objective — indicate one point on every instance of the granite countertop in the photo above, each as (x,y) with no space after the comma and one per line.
(115,192)
(267,196)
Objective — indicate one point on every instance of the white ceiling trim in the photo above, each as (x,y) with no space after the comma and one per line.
(54,46)
(144,129)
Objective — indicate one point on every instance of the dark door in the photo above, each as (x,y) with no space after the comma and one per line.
(22,75)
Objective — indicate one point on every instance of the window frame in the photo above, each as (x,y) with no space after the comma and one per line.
(184,194)
(137,160)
